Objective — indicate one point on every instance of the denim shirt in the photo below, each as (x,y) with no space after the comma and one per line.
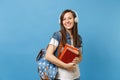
(55,40)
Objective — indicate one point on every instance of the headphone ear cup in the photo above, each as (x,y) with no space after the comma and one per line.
(76,20)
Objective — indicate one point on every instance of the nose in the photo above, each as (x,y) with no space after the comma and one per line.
(67,21)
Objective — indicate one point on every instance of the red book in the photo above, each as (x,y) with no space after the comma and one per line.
(69,53)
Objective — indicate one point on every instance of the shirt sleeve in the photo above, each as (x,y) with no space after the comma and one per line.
(55,39)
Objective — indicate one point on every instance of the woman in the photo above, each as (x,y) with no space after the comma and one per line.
(69,34)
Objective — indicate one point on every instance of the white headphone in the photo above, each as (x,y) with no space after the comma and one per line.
(76,18)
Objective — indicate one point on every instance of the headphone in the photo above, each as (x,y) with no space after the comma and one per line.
(76,18)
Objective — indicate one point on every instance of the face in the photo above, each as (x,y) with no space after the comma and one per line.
(68,21)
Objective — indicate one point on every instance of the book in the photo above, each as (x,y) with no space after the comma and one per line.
(69,53)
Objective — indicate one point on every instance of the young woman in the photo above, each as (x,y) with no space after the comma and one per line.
(67,34)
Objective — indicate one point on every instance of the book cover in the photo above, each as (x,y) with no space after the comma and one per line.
(68,54)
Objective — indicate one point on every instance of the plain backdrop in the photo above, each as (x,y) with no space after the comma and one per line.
(26,26)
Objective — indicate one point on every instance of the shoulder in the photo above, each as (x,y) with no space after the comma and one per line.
(56,35)
(55,39)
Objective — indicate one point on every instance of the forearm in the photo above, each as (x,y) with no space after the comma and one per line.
(55,60)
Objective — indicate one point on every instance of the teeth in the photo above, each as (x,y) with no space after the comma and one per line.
(67,24)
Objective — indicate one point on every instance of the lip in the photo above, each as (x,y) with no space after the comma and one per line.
(68,24)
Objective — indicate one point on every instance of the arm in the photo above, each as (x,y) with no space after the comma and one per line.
(50,57)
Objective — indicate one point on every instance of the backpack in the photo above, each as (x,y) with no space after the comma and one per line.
(46,70)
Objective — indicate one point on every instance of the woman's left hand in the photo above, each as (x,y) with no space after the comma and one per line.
(76,60)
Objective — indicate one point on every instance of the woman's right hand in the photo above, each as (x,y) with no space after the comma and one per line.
(70,66)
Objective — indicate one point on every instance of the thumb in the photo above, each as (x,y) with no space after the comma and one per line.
(74,64)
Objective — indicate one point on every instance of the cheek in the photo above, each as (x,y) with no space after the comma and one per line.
(63,23)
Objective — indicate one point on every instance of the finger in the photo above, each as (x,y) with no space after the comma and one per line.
(75,62)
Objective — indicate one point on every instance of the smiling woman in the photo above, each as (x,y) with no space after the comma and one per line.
(69,35)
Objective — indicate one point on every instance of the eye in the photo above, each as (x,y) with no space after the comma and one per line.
(69,18)
(64,19)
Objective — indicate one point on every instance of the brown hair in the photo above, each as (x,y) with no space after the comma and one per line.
(76,38)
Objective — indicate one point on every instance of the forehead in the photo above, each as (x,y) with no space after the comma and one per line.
(68,14)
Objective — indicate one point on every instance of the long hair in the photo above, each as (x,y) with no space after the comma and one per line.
(76,38)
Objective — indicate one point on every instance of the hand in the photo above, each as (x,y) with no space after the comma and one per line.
(76,60)
(70,66)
